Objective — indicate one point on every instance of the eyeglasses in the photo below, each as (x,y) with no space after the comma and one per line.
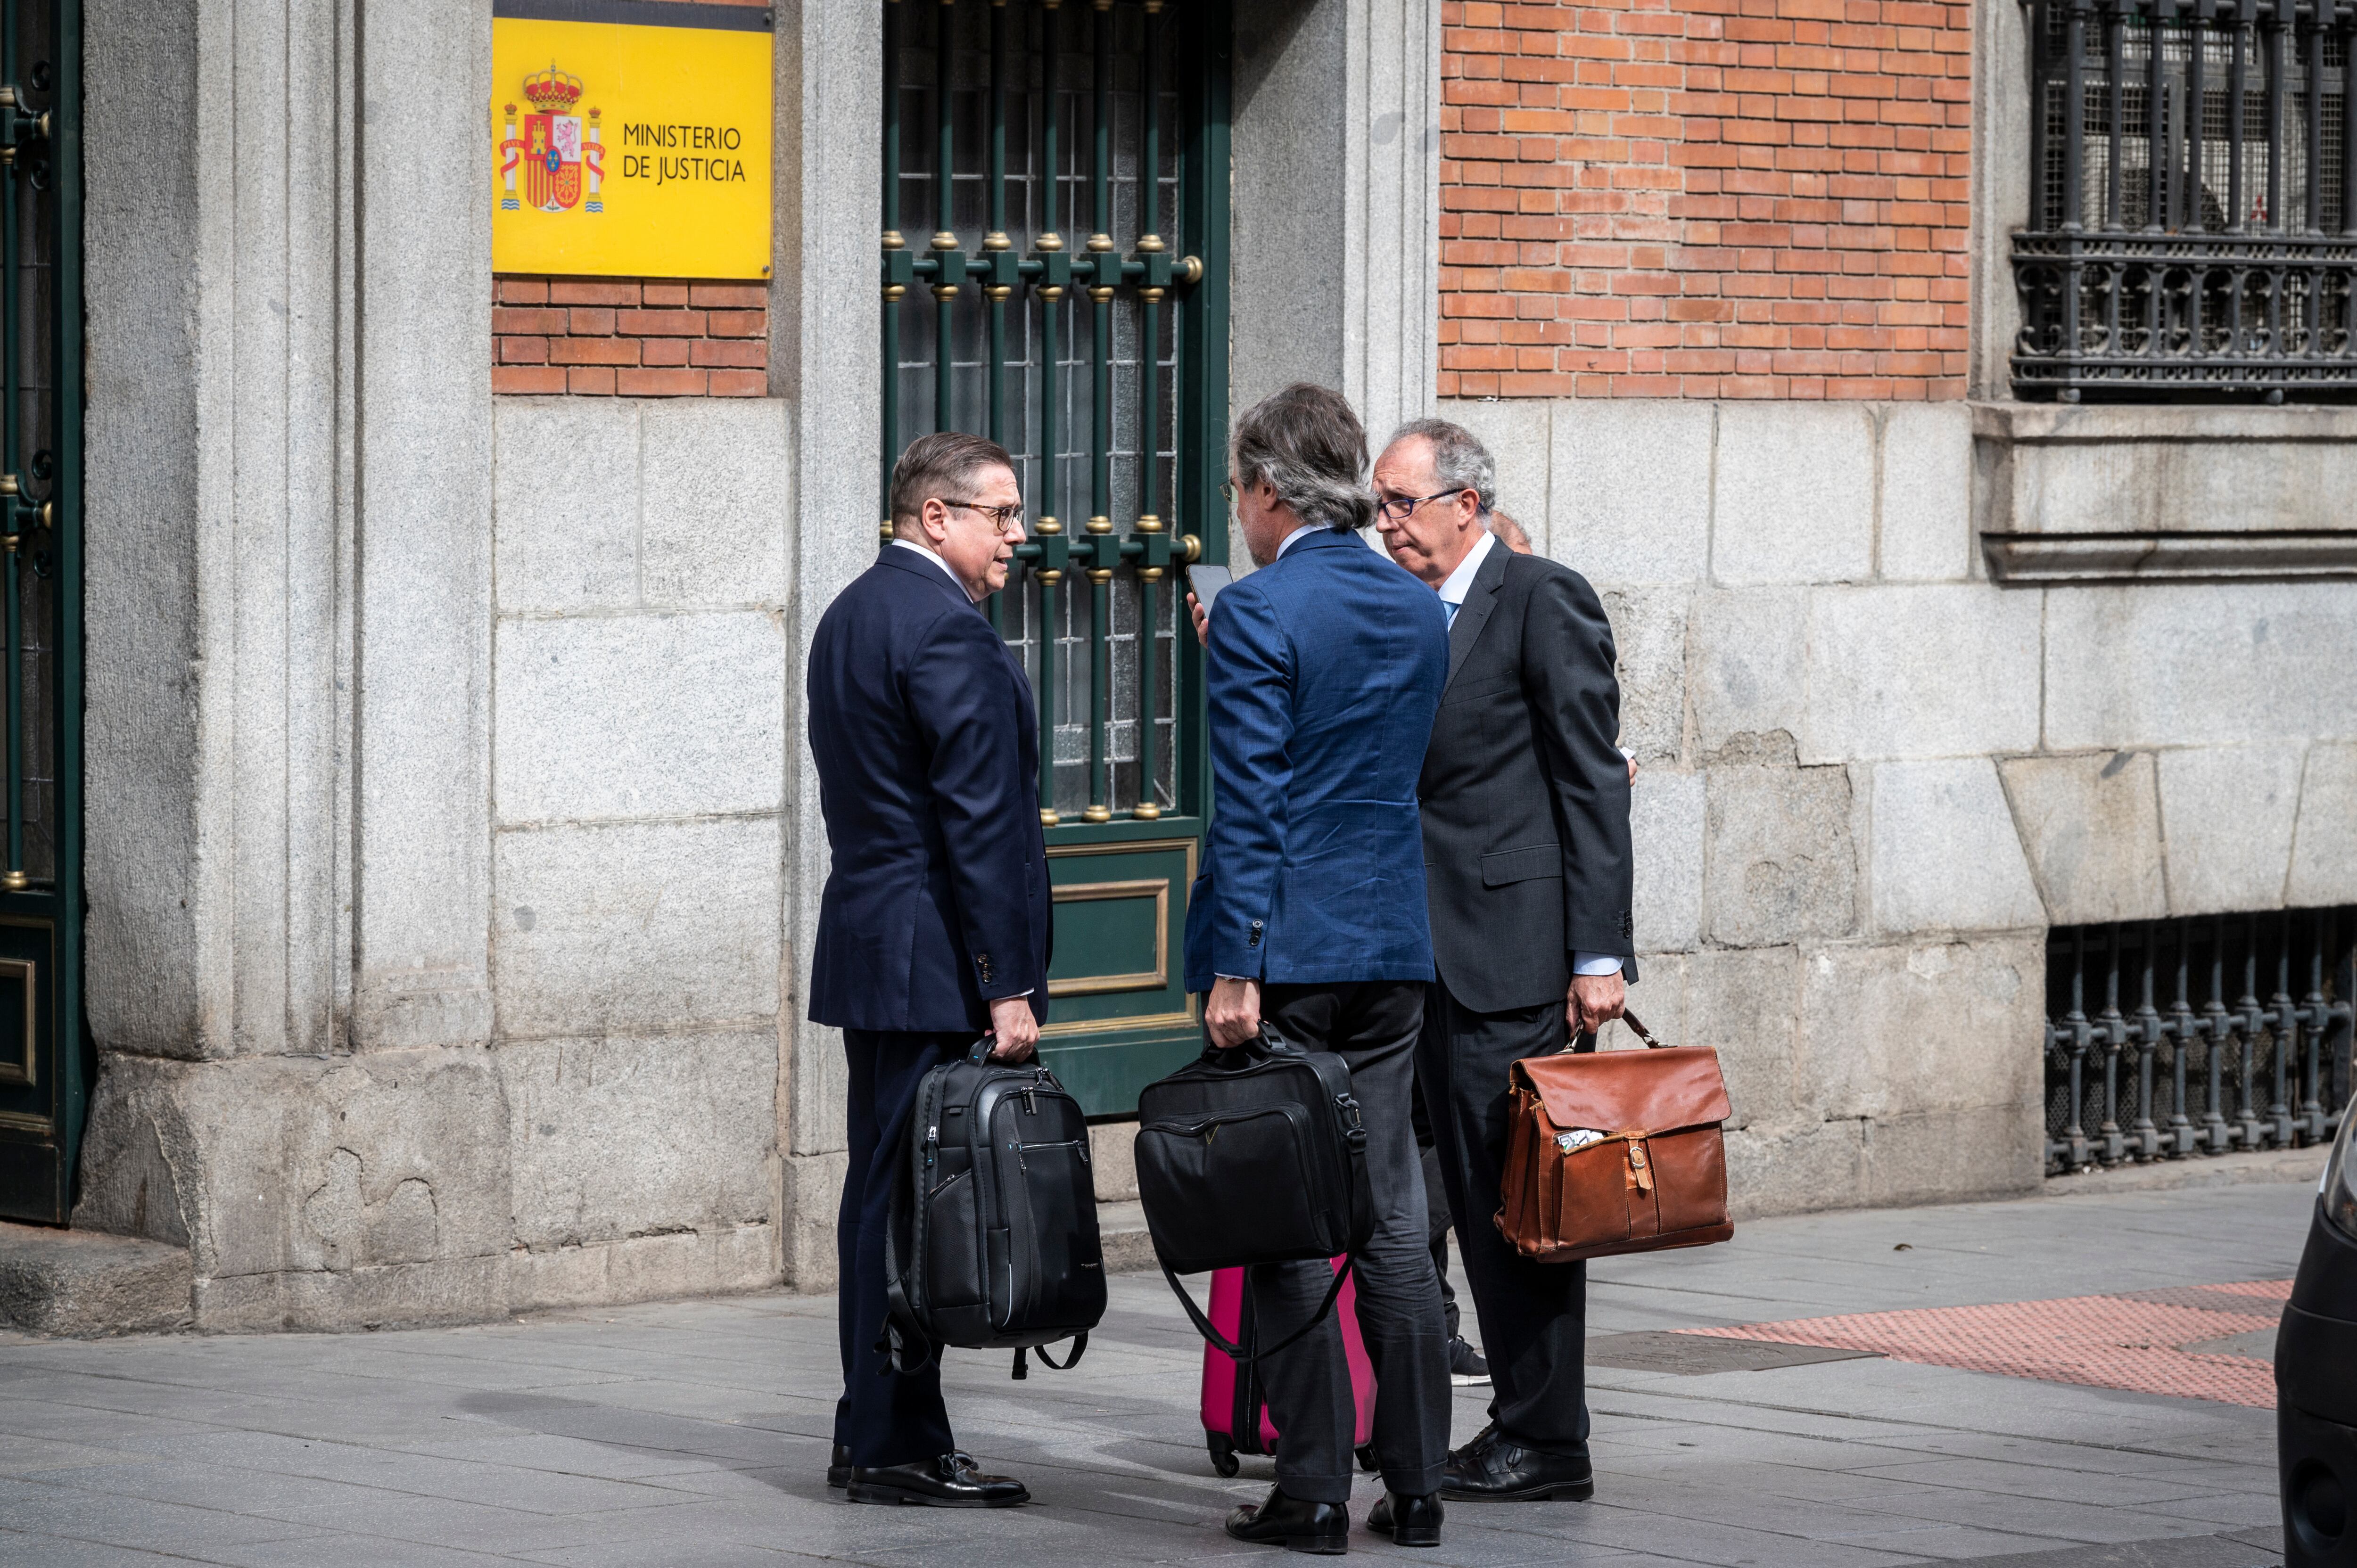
(1001,516)
(1399,511)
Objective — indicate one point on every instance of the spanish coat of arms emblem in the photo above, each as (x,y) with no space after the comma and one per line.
(556,150)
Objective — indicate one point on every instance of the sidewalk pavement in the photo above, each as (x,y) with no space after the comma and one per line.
(695,1433)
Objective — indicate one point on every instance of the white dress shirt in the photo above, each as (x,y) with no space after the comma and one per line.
(1459,582)
(936,560)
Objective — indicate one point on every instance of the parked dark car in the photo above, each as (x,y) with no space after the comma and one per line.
(2316,1376)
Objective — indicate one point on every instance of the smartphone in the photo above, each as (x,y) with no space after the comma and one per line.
(1205,583)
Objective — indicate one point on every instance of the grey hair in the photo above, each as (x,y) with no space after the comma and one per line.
(1460,461)
(1310,448)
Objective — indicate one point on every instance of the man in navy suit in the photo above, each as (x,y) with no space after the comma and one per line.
(934,925)
(1323,671)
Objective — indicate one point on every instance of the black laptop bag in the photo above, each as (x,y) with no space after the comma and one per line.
(1254,1154)
(992,1243)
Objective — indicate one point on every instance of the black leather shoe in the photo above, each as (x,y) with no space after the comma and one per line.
(951,1481)
(838,1466)
(1296,1525)
(1493,1468)
(1409,1522)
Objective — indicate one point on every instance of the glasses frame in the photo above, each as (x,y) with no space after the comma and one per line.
(1402,509)
(1001,516)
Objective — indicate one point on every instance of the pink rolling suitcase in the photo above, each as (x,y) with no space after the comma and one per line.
(1235,1412)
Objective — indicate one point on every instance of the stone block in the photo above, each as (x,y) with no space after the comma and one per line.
(318,1193)
(1630,489)
(636,925)
(86,1282)
(1746,1005)
(2199,664)
(1950,1156)
(813,1194)
(1782,863)
(640,716)
(1127,1243)
(644,1268)
(2324,850)
(2091,826)
(1649,637)
(1747,670)
(1944,854)
(1793,500)
(1927,491)
(1666,826)
(1113,1157)
(718,490)
(2107,493)
(1920,672)
(1794,1168)
(622,1136)
(1903,1030)
(564,502)
(1515,431)
(396,1296)
(2226,820)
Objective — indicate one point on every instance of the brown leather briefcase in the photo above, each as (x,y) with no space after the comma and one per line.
(1615,1152)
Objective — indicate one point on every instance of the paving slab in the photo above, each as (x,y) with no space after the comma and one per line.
(695,1433)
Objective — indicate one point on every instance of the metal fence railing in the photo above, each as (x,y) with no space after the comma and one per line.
(2168,1039)
(2193,209)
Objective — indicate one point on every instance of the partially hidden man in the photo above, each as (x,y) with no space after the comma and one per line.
(1322,670)
(934,924)
(1524,797)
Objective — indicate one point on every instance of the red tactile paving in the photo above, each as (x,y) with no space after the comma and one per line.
(2130,1342)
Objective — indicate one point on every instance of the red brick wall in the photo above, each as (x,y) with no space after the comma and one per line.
(1705,199)
(625,338)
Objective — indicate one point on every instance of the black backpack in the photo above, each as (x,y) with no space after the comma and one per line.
(992,1241)
(1254,1155)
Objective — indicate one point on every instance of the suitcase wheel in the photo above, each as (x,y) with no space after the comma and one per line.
(1367,1460)
(1223,1453)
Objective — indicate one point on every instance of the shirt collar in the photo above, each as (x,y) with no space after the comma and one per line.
(1296,537)
(1459,582)
(952,576)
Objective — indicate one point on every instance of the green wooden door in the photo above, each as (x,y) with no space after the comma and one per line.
(1055,277)
(43,1054)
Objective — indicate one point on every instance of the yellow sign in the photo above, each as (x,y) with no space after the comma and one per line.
(637,146)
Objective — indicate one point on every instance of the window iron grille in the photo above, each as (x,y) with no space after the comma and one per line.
(2193,231)
(2178,1039)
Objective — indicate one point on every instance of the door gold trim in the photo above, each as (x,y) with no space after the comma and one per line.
(1155,979)
(1186,1018)
(26,1072)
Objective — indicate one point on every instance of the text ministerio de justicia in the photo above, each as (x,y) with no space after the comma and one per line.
(704,157)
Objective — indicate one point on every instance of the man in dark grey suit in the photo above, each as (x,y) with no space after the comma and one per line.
(1525,798)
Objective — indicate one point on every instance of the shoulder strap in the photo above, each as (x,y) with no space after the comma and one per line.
(903,1342)
(901,1338)
(1237,1353)
(1080,1344)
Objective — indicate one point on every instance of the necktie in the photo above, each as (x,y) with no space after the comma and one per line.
(1451,612)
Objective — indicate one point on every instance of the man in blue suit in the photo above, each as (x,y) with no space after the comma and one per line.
(934,924)
(1323,671)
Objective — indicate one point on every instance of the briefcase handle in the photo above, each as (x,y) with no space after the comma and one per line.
(1267,1043)
(1584,1041)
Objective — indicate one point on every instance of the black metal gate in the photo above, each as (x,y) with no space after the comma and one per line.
(2192,229)
(2174,1040)
(1082,149)
(44,1066)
